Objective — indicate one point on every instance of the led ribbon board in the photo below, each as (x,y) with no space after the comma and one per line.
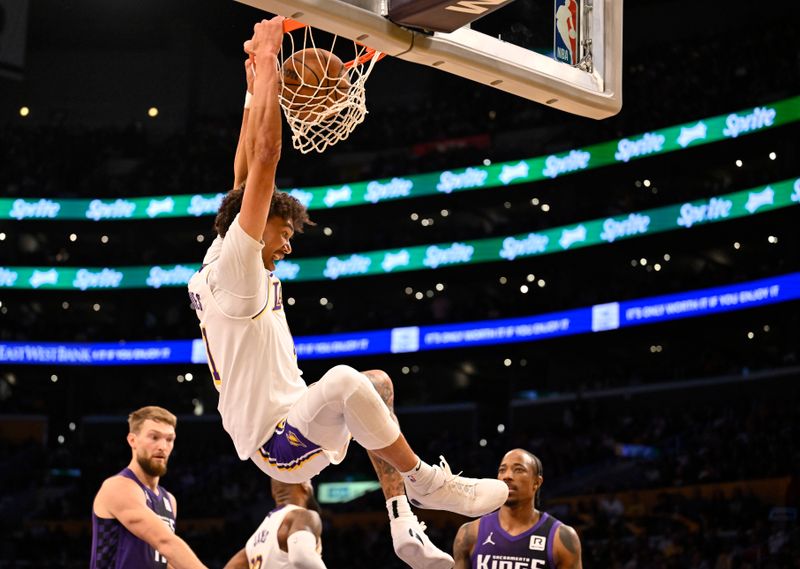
(596,318)
(653,143)
(555,240)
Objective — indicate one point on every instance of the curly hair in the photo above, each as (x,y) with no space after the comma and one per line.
(282,205)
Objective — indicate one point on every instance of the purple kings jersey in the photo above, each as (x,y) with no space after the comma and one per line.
(114,547)
(532,549)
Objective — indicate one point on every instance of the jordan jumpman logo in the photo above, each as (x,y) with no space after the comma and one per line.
(488,539)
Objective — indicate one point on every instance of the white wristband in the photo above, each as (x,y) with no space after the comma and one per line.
(247,98)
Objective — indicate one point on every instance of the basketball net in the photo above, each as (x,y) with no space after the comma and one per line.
(322,114)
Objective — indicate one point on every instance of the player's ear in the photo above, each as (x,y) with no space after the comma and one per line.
(131,440)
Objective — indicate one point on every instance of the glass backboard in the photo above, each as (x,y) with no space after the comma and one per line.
(591,88)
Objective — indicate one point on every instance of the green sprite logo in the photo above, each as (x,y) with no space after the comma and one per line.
(21,209)
(470,178)
(354,265)
(394,188)
(106,278)
(453,255)
(761,117)
(634,224)
(118,209)
(530,245)
(716,208)
(177,275)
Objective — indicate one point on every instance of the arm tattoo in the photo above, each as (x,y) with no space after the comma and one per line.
(383,385)
(570,552)
(471,536)
(568,540)
(390,479)
(464,543)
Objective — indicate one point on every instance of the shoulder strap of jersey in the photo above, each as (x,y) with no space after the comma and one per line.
(128,473)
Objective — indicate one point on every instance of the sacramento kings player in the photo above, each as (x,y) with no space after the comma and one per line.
(133,517)
(518,535)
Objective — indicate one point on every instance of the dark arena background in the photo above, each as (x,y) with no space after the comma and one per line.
(650,361)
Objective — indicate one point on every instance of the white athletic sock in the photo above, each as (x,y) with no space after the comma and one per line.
(421,476)
(397,507)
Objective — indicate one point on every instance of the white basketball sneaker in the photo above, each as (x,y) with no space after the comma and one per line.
(471,497)
(413,546)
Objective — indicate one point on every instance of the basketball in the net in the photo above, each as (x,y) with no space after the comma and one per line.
(313,80)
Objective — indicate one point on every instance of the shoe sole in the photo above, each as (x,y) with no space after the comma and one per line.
(469,514)
(408,552)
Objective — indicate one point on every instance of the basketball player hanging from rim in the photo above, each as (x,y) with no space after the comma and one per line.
(290,430)
(518,534)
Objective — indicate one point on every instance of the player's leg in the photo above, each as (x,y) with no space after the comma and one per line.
(388,476)
(344,400)
(409,539)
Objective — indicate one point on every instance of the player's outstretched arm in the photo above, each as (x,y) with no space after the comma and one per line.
(464,544)
(263,136)
(238,561)
(240,159)
(568,549)
(304,530)
(122,499)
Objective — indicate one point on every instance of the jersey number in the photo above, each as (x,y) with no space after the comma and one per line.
(211,365)
(255,562)
(194,301)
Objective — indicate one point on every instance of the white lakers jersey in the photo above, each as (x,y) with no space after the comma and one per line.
(250,349)
(262,547)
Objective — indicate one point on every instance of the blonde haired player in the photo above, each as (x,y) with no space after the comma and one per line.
(290,430)
(133,516)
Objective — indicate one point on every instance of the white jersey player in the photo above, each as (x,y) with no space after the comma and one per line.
(289,430)
(289,537)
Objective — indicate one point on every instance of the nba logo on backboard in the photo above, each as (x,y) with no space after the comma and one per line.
(566,32)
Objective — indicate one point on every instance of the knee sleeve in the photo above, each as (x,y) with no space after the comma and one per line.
(341,404)
(365,413)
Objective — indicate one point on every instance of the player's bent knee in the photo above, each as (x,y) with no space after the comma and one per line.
(346,380)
